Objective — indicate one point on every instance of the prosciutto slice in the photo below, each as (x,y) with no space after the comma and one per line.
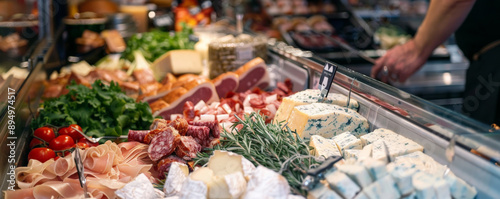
(108,167)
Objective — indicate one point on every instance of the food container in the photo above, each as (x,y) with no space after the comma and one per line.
(229,53)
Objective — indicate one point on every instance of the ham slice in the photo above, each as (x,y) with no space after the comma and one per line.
(226,83)
(253,74)
(108,167)
(205,91)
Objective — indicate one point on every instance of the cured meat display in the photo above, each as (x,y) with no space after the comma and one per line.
(163,144)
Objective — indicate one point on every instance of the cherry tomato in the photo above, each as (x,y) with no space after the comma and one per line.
(90,144)
(45,133)
(71,132)
(82,145)
(36,143)
(62,142)
(41,154)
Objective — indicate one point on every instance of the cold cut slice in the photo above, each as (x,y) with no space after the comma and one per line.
(200,133)
(212,125)
(205,91)
(163,165)
(138,136)
(253,74)
(163,144)
(180,124)
(187,147)
(226,83)
(159,124)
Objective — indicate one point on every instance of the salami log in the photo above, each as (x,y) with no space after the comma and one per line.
(212,125)
(180,124)
(187,147)
(137,135)
(200,133)
(163,144)
(163,165)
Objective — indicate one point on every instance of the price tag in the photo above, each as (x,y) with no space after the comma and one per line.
(326,79)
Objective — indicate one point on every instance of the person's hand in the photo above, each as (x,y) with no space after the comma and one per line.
(399,63)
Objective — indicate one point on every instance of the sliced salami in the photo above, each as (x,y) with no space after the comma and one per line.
(200,133)
(163,165)
(180,124)
(187,147)
(163,144)
(159,124)
(212,125)
(137,135)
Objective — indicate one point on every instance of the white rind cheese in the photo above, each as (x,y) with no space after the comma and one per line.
(323,147)
(308,97)
(342,184)
(346,141)
(193,189)
(266,183)
(176,176)
(140,187)
(326,120)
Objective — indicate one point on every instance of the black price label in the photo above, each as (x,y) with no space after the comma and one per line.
(326,79)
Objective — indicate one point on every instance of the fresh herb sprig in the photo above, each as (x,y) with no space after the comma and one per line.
(269,145)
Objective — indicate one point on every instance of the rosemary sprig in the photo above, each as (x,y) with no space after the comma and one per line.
(269,145)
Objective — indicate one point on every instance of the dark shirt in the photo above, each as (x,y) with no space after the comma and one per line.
(481,27)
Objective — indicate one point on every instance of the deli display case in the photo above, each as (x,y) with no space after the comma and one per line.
(468,148)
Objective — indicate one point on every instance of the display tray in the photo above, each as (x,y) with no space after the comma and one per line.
(383,106)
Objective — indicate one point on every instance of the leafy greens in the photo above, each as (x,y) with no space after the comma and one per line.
(100,110)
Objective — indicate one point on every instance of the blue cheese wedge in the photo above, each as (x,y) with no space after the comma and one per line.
(424,185)
(323,147)
(403,178)
(442,189)
(459,188)
(342,184)
(326,120)
(397,144)
(346,141)
(357,173)
(376,168)
(421,162)
(382,189)
(351,154)
(322,192)
(308,97)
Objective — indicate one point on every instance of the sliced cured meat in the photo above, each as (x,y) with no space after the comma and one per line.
(137,135)
(205,91)
(212,125)
(187,147)
(163,165)
(225,83)
(199,133)
(174,94)
(163,144)
(180,124)
(253,73)
(159,124)
(144,76)
(189,112)
(155,132)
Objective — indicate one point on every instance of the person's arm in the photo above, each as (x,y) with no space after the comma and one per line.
(442,19)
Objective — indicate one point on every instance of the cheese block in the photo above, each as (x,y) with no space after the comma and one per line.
(459,188)
(177,174)
(424,185)
(403,178)
(376,168)
(178,62)
(442,189)
(140,187)
(228,186)
(323,147)
(351,153)
(347,141)
(361,195)
(396,147)
(342,184)
(326,120)
(357,173)
(223,163)
(310,96)
(383,188)
(321,191)
(421,162)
